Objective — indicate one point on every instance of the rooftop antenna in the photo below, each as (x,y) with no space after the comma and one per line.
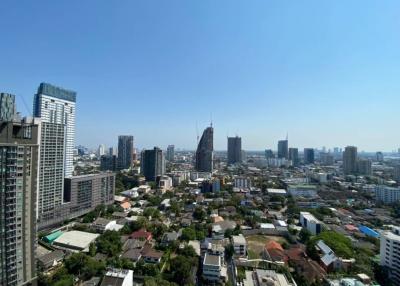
(287,136)
(211,119)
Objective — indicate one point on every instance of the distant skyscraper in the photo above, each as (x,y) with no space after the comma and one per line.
(108,163)
(7,107)
(364,167)
(204,153)
(125,151)
(350,160)
(396,173)
(19,151)
(269,154)
(326,159)
(379,156)
(101,150)
(309,157)
(152,163)
(283,151)
(294,156)
(234,150)
(57,106)
(170,153)
(112,151)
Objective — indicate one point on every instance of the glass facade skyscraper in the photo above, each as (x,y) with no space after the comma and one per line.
(205,151)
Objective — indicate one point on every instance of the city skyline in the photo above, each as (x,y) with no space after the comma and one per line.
(276,71)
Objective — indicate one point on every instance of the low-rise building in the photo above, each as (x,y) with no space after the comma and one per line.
(390,253)
(239,245)
(270,277)
(151,255)
(119,277)
(219,228)
(75,241)
(309,222)
(50,260)
(102,224)
(307,191)
(387,195)
(142,234)
(277,192)
(213,270)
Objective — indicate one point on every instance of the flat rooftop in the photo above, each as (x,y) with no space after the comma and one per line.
(309,216)
(210,259)
(76,239)
(238,239)
(277,191)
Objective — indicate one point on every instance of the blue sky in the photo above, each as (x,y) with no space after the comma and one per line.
(326,72)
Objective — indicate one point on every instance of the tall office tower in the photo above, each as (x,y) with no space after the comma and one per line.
(379,156)
(350,160)
(309,157)
(294,156)
(101,150)
(112,151)
(7,107)
(125,151)
(152,163)
(326,159)
(269,154)
(170,153)
(108,163)
(234,150)
(389,253)
(283,151)
(364,167)
(396,173)
(205,151)
(57,106)
(19,145)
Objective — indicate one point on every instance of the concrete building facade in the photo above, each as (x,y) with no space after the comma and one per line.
(390,253)
(19,156)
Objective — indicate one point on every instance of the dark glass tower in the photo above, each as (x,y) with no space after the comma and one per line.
(294,156)
(234,150)
(125,152)
(309,156)
(204,152)
(152,163)
(283,151)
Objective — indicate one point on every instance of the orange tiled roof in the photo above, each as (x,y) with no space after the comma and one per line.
(272,244)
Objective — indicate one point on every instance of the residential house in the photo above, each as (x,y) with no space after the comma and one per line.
(239,245)
(142,234)
(213,270)
(50,260)
(102,225)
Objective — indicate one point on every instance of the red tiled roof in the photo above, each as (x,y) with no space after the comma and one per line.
(142,233)
(273,245)
(126,205)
